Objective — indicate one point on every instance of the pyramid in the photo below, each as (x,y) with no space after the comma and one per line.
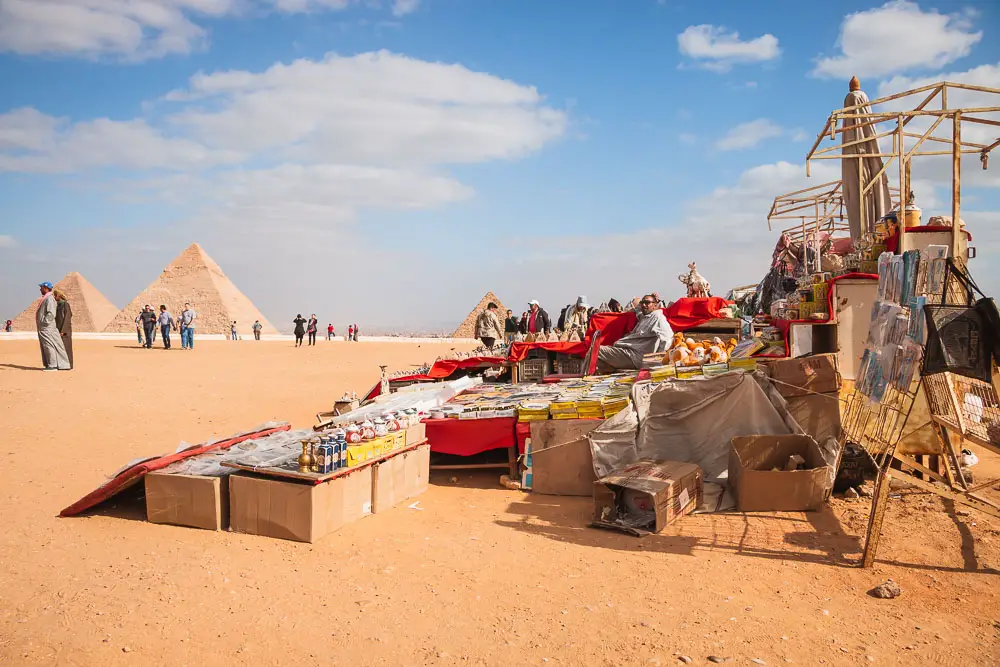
(194,277)
(467,329)
(91,309)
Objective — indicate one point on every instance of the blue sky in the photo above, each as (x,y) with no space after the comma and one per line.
(389,162)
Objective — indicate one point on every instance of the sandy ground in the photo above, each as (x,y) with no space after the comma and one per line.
(481,575)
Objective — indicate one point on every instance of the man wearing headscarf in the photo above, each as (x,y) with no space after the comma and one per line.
(53,352)
(64,322)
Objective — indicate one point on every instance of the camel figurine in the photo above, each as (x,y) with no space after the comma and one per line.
(697,286)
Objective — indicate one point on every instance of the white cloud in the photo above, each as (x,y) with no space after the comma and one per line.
(687,138)
(404,7)
(748,135)
(871,41)
(718,49)
(798,134)
(7,241)
(136,30)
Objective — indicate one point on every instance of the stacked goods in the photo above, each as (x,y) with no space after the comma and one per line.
(688,353)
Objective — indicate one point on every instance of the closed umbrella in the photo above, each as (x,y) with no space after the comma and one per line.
(876,201)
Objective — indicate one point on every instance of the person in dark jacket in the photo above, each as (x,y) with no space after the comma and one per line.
(300,329)
(537,320)
(148,319)
(510,327)
(64,322)
(311,328)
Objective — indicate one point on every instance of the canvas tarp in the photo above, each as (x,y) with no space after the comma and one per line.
(695,422)
(858,172)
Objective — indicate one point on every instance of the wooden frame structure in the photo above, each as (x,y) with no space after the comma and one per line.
(933,107)
(879,427)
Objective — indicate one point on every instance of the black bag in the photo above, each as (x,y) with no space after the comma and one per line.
(959,340)
(985,306)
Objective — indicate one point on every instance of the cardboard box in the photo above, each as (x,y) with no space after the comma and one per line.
(416,433)
(388,483)
(359,453)
(417,468)
(665,489)
(398,440)
(298,511)
(817,414)
(818,374)
(188,500)
(757,487)
(821,294)
(562,462)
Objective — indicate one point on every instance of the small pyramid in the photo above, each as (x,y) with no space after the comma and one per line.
(467,329)
(91,310)
(194,277)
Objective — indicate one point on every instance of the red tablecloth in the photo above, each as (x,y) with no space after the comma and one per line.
(466,437)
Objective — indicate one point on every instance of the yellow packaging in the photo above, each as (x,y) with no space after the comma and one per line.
(806,310)
(743,364)
(383,445)
(398,439)
(869,266)
(359,453)
(820,293)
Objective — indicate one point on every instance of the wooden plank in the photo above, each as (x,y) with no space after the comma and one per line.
(967,499)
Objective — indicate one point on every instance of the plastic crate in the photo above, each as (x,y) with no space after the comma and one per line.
(570,365)
(532,370)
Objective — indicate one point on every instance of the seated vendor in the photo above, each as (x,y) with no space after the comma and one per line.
(651,334)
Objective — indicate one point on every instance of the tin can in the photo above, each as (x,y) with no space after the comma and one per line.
(335,446)
(343,453)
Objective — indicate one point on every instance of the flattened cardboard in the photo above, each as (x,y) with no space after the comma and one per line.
(388,483)
(298,511)
(758,488)
(562,461)
(674,489)
(819,374)
(818,415)
(188,500)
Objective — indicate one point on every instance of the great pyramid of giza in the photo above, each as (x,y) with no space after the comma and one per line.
(467,329)
(91,309)
(194,277)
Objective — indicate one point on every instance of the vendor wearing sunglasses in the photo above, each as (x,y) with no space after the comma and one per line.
(652,333)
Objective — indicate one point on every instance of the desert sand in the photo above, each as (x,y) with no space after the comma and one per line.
(480,575)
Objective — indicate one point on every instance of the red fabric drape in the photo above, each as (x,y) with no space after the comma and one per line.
(466,437)
(689,313)
(438,371)
(611,325)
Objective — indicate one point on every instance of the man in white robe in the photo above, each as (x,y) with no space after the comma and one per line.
(53,351)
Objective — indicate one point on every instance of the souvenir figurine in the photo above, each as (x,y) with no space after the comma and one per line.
(697,286)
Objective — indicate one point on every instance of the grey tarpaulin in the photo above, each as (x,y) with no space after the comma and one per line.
(694,421)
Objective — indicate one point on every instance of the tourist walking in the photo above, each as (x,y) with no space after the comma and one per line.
(148,319)
(350,332)
(329,331)
(8,326)
(356,333)
(138,327)
(187,327)
(311,329)
(510,327)
(488,326)
(232,331)
(300,329)
(257,326)
(53,352)
(166,322)
(64,322)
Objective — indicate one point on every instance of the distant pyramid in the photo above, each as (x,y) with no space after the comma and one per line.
(194,277)
(91,309)
(467,329)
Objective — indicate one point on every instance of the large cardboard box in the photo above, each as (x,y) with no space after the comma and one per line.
(389,483)
(817,414)
(417,464)
(298,511)
(416,433)
(758,487)
(818,374)
(647,495)
(562,462)
(188,500)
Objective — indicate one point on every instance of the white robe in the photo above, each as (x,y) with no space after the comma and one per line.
(53,350)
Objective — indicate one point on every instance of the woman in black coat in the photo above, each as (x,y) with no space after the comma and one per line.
(300,329)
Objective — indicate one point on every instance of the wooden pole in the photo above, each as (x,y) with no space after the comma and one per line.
(956,182)
(902,183)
